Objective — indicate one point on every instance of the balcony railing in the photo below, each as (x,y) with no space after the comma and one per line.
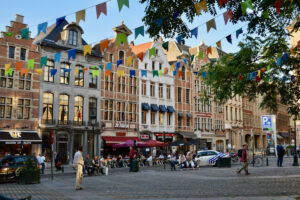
(64,122)
(79,123)
(48,121)
(91,124)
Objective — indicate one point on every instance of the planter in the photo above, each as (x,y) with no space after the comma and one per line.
(29,176)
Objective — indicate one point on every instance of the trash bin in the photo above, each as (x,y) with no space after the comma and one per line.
(224,162)
(135,165)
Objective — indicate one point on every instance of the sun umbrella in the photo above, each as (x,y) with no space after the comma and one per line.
(154,143)
(129,143)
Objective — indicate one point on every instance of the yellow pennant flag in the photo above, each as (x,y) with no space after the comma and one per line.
(201,6)
(292,51)
(87,49)
(188,73)
(258,73)
(80,15)
(39,71)
(121,73)
(171,68)
(7,67)
(129,61)
(76,71)
(219,44)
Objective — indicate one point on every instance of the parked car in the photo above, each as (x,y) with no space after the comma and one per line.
(9,165)
(204,157)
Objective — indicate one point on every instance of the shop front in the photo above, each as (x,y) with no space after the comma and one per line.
(18,142)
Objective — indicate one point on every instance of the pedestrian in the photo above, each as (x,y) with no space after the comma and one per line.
(78,163)
(132,155)
(57,161)
(280,154)
(244,160)
(39,161)
(173,162)
(43,159)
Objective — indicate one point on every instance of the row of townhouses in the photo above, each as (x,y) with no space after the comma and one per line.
(139,98)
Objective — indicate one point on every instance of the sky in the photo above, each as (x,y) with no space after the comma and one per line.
(95,30)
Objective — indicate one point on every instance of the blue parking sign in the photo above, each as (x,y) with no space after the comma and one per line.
(266,122)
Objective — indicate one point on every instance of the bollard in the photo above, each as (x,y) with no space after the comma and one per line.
(267,161)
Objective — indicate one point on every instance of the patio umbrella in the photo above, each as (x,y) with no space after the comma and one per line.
(129,143)
(154,143)
(179,143)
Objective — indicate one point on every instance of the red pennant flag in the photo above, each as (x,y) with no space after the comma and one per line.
(228,14)
(208,50)
(277,6)
(241,77)
(101,8)
(104,45)
(79,114)
(141,56)
(180,73)
(263,69)
(85,69)
(222,2)
(18,66)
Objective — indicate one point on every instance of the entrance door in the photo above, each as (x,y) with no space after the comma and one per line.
(62,150)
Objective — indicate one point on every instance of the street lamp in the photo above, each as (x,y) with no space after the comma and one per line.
(93,123)
(295,145)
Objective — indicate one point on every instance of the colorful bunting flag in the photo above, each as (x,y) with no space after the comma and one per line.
(263,69)
(203,74)
(211,24)
(155,73)
(285,57)
(279,61)
(219,44)
(185,61)
(76,71)
(71,54)
(141,56)
(265,14)
(121,38)
(43,61)
(95,72)
(101,67)
(174,73)
(196,73)
(80,15)
(166,70)
(177,65)
(228,38)
(108,73)
(171,68)
(180,73)
(160,72)
(179,39)
(166,46)
(192,58)
(251,76)
(258,73)
(227,15)
(144,73)
(131,73)
(152,52)
(18,66)
(87,49)
(188,73)
(30,64)
(277,6)
(139,31)
(68,70)
(9,34)
(222,3)
(238,32)
(39,71)
(268,68)
(129,61)
(194,32)
(25,33)
(9,72)
(53,72)
(121,3)
(23,71)
(119,62)
(292,51)
(246,4)
(101,8)
(57,57)
(201,6)
(42,27)
(7,67)
(104,45)
(176,14)
(208,50)
(121,73)
(109,66)
(60,20)
(159,22)
(200,55)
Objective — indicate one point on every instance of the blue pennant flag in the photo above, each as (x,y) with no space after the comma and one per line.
(228,38)
(57,57)
(194,32)
(185,61)
(285,57)
(251,76)
(53,72)
(71,54)
(119,62)
(196,73)
(66,70)
(179,39)
(42,27)
(175,73)
(238,32)
(159,22)
(144,73)
(109,66)
(60,20)
(176,14)
(255,73)
(131,73)
(292,77)
(204,74)
(284,79)
(279,61)
(177,65)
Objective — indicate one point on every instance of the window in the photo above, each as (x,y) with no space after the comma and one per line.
(11,52)
(25,81)
(132,86)
(47,108)
(240,114)
(79,78)
(109,85)
(236,116)
(23,108)
(132,112)
(226,113)
(73,37)
(203,105)
(108,110)
(63,109)
(93,81)
(183,73)
(161,91)
(144,88)
(169,116)
(146,65)
(23,54)
(179,121)
(121,84)
(204,127)
(111,57)
(121,55)
(168,92)
(144,117)
(197,105)
(218,107)
(219,124)
(231,114)
(187,96)
(5,107)
(153,65)
(209,124)
(203,88)
(152,117)
(47,71)
(152,89)
(6,81)
(120,111)
(197,86)
(78,110)
(160,66)
(161,118)
(209,106)
(92,108)
(188,121)
(197,124)
(179,95)
(64,73)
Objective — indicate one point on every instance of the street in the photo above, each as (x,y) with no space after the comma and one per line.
(156,183)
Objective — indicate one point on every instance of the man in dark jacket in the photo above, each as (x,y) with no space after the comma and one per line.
(244,161)
(280,154)
(132,156)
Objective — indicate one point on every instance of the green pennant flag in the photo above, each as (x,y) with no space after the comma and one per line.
(121,37)
(265,14)
(268,67)
(192,58)
(101,67)
(155,73)
(43,61)
(200,54)
(166,46)
(139,31)
(160,72)
(95,72)
(9,34)
(266,79)
(8,72)
(94,68)
(30,64)
(246,4)
(25,33)
(152,52)
(121,3)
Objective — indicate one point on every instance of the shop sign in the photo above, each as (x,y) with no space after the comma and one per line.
(15,134)
(166,134)
(144,137)
(208,115)
(121,125)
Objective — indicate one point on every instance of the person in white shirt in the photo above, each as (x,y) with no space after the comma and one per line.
(78,163)
(43,163)
(39,160)
(149,160)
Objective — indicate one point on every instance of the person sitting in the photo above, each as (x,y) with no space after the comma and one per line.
(96,164)
(149,160)
(182,161)
(120,161)
(161,159)
(88,165)
(190,162)
(143,160)
(173,162)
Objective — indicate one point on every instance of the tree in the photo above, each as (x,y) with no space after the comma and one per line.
(267,40)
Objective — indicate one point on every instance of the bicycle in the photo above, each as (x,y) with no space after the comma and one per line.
(257,162)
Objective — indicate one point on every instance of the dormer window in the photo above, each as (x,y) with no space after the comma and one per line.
(73,35)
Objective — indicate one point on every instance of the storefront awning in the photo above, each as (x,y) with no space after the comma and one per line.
(188,134)
(170,109)
(284,134)
(145,106)
(19,137)
(188,114)
(111,140)
(162,108)
(154,107)
(180,114)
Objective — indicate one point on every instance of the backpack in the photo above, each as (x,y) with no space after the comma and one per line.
(240,152)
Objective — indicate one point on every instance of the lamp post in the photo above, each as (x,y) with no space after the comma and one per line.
(164,151)
(295,163)
(93,122)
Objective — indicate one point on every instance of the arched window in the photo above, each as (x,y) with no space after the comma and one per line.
(47,108)
(121,56)
(78,110)
(63,109)
(73,37)
(183,73)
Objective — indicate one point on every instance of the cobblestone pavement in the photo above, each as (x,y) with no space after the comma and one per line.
(263,183)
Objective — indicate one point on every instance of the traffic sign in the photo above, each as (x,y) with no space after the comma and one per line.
(266,122)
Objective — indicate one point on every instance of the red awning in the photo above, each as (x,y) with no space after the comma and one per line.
(110,140)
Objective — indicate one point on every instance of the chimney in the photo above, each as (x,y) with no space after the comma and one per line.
(19,18)
(131,44)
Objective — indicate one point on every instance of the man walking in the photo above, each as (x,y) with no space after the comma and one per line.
(78,163)
(280,154)
(244,161)
(43,159)
(132,155)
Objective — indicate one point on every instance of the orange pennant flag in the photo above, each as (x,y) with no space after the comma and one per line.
(18,66)
(188,73)
(24,71)
(104,45)
(85,69)
(180,73)
(298,45)
(141,56)
(166,71)
(208,50)
(108,73)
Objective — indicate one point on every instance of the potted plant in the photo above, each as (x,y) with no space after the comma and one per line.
(30,173)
